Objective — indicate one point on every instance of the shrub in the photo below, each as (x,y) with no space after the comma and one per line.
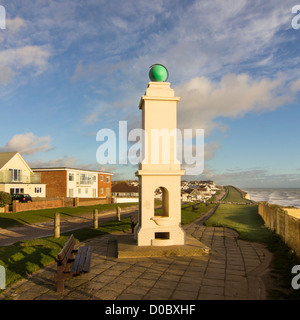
(5,198)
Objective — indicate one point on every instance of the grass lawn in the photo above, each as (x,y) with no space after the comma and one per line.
(25,257)
(233,195)
(8,220)
(188,214)
(242,218)
(250,226)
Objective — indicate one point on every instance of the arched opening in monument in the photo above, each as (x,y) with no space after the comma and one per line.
(163,194)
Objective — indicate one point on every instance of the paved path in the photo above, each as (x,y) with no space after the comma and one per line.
(233,270)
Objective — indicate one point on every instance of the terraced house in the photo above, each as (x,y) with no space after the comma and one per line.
(75,183)
(17,177)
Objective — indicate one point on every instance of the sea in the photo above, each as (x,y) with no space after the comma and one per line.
(282,197)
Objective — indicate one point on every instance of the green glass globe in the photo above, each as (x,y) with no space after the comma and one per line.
(158,73)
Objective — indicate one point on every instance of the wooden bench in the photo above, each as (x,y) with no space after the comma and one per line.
(134,221)
(71,262)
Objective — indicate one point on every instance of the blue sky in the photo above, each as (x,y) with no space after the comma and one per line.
(71,68)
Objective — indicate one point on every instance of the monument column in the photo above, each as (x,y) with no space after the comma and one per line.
(159,168)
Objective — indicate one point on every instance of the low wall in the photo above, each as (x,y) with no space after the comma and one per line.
(90,201)
(284,221)
(47,204)
(125,200)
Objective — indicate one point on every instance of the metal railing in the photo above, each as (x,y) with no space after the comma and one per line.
(6,176)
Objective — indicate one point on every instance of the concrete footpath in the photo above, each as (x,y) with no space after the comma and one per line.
(232,270)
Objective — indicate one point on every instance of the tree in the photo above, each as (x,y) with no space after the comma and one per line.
(5,198)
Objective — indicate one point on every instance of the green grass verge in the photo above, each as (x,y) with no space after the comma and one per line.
(8,220)
(191,212)
(233,195)
(247,222)
(242,218)
(26,257)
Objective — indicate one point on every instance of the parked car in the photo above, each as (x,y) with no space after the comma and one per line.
(21,197)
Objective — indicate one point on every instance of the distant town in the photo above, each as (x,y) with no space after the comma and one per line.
(191,191)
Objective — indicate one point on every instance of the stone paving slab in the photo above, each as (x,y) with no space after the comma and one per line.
(232,270)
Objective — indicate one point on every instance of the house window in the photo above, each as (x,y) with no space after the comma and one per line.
(16,191)
(16,175)
(79,191)
(38,190)
(71,193)
(107,192)
(107,179)
(71,176)
(86,190)
(101,178)
(101,190)
(94,178)
(85,178)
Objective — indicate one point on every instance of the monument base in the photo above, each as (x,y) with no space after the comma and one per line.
(160,236)
(127,248)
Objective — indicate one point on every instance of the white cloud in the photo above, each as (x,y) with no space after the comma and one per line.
(14,25)
(203,101)
(253,178)
(58,162)
(68,162)
(25,56)
(12,61)
(6,74)
(27,144)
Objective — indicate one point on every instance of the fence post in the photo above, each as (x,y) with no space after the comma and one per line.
(118,214)
(95,218)
(15,206)
(57,225)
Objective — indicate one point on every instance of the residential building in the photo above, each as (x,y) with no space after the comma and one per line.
(123,192)
(17,177)
(75,183)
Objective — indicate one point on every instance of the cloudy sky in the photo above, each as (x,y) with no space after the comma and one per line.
(71,68)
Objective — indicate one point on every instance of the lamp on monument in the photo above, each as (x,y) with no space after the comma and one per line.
(158,73)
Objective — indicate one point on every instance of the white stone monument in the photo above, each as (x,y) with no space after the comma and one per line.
(159,168)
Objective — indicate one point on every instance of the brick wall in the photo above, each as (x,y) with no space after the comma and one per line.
(56,183)
(103,184)
(90,201)
(19,206)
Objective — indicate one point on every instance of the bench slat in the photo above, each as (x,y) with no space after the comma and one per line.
(79,260)
(66,251)
(86,267)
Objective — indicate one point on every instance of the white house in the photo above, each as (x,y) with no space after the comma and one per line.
(72,182)
(17,177)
